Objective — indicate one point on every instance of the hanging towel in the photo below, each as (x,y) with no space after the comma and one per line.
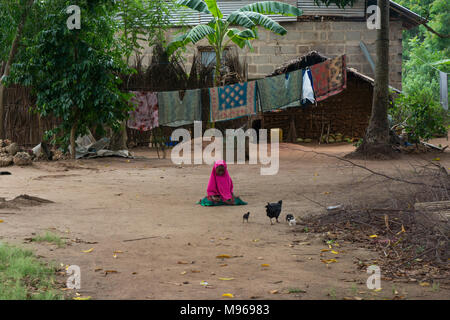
(280,91)
(337,75)
(329,77)
(319,74)
(443,84)
(175,111)
(233,101)
(144,117)
(308,90)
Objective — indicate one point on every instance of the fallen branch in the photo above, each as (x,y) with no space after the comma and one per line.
(145,238)
(375,172)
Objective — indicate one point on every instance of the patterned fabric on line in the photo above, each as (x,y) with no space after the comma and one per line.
(329,77)
(279,91)
(233,101)
(176,111)
(144,117)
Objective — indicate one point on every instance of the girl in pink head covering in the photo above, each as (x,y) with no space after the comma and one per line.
(220,185)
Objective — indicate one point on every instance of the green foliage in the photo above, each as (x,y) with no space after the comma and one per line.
(74,73)
(220,32)
(23,276)
(340,3)
(422,49)
(50,237)
(422,116)
(144,20)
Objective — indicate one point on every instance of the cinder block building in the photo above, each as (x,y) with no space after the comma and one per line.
(329,30)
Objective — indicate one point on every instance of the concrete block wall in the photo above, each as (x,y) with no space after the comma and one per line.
(330,38)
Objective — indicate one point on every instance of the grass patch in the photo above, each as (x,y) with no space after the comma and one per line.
(50,238)
(296,290)
(24,277)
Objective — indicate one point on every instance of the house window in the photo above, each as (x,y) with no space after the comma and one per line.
(208,56)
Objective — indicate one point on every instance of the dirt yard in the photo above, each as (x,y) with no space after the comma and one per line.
(151,241)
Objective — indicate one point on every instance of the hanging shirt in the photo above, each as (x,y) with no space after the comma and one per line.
(178,108)
(232,101)
(308,90)
(280,91)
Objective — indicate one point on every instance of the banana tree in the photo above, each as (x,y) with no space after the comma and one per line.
(221,31)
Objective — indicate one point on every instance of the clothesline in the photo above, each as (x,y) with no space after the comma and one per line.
(181,107)
(427,63)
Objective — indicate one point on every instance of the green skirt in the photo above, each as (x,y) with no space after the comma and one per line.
(207,203)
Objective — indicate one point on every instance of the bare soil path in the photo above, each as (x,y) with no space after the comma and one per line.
(105,202)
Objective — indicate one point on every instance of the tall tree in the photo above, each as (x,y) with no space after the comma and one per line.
(377,134)
(74,73)
(376,139)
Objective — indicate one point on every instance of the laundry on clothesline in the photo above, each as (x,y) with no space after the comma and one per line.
(178,108)
(307,88)
(144,117)
(329,77)
(232,101)
(280,91)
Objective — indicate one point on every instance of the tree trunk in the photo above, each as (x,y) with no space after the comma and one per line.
(119,139)
(73,132)
(7,67)
(377,134)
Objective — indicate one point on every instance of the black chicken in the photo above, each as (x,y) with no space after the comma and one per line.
(273,210)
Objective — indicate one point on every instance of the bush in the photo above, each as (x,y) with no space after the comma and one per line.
(422,116)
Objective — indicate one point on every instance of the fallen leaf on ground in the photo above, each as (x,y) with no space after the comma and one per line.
(223,265)
(115,256)
(89,250)
(195,271)
(226,279)
(1,220)
(324,250)
(82,298)
(228,295)
(223,256)
(373,236)
(117,251)
(110,271)
(329,261)
(335,252)
(265,265)
(184,272)
(183,262)
(204,283)
(424,284)
(273,291)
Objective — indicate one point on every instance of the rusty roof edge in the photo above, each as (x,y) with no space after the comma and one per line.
(405,12)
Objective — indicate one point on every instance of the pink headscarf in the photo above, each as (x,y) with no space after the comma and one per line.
(220,185)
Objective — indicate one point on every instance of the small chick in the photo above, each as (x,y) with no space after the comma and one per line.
(292,222)
(289,217)
(245,217)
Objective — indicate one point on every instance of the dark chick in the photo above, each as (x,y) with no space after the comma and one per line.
(273,210)
(289,217)
(245,217)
